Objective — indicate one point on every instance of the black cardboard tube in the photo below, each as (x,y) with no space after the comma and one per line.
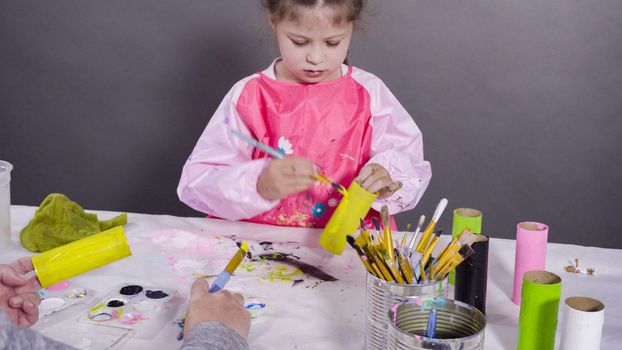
(472,277)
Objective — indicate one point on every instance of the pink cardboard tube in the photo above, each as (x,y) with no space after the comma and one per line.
(531,238)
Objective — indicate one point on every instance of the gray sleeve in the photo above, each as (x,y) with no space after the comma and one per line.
(14,337)
(213,336)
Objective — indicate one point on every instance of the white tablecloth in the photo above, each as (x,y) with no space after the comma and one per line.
(167,250)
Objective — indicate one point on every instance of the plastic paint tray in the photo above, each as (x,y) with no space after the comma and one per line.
(131,306)
(61,296)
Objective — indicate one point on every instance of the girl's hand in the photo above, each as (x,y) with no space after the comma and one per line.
(284,177)
(376,179)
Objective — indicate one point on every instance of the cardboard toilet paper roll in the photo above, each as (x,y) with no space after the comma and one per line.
(465,219)
(537,321)
(582,323)
(80,256)
(531,238)
(472,276)
(346,218)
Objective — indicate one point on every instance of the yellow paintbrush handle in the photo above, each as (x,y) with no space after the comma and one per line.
(425,239)
(388,243)
(377,271)
(405,266)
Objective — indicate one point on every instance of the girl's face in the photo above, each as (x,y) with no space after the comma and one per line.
(313,47)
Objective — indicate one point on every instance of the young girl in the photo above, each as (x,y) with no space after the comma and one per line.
(322,115)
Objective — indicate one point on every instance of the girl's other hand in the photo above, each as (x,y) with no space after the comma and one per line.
(376,179)
(284,177)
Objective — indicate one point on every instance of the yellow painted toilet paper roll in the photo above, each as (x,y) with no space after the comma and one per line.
(346,218)
(80,256)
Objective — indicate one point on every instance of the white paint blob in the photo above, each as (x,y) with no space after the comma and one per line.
(51,303)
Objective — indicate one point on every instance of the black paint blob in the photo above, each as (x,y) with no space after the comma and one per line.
(131,290)
(156,294)
(266,245)
(115,303)
(297,282)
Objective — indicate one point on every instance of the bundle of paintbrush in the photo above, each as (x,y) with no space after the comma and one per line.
(411,263)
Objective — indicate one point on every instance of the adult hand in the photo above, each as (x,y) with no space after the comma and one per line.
(284,177)
(223,306)
(18,294)
(376,179)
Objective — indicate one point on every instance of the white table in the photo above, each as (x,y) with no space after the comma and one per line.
(167,250)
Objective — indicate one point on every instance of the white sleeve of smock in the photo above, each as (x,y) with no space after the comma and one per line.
(220,177)
(397,145)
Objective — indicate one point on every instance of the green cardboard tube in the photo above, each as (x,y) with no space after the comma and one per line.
(465,218)
(537,321)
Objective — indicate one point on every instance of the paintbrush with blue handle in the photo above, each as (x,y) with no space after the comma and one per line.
(262,146)
(233,264)
(278,155)
(222,278)
(431,330)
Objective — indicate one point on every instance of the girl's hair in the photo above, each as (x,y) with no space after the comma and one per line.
(289,9)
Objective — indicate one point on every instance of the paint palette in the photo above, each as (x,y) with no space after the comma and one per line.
(130,306)
(61,296)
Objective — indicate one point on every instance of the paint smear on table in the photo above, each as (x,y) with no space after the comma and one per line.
(58,286)
(282,273)
(292,260)
(189,242)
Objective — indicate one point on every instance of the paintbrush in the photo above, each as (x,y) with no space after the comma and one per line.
(222,278)
(370,232)
(430,332)
(380,263)
(404,237)
(366,247)
(411,245)
(465,238)
(332,184)
(396,272)
(429,230)
(388,240)
(468,237)
(276,154)
(428,253)
(403,241)
(233,264)
(432,272)
(377,227)
(404,267)
(361,255)
(262,146)
(363,238)
(413,255)
(464,252)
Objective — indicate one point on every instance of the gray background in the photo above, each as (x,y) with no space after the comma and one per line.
(519,101)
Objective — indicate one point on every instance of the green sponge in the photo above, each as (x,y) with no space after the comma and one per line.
(59,221)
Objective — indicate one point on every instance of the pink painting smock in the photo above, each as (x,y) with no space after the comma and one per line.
(340,125)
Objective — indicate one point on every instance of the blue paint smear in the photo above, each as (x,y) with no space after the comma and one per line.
(255,306)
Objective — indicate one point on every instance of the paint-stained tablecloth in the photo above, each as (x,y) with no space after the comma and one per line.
(301,310)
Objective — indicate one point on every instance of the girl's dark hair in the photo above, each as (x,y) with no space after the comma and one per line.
(288,9)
